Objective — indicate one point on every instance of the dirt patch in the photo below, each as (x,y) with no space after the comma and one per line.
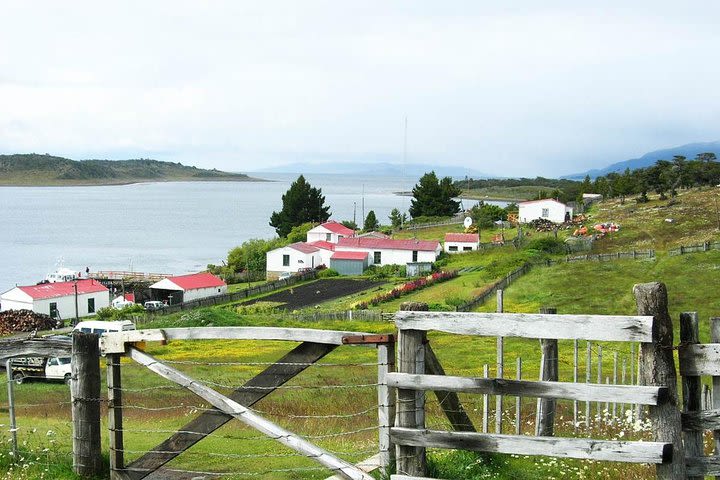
(317,292)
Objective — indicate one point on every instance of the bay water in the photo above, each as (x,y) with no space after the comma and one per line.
(167,227)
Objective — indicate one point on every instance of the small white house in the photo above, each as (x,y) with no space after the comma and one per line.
(58,299)
(331,231)
(461,242)
(326,251)
(185,288)
(293,258)
(549,209)
(385,251)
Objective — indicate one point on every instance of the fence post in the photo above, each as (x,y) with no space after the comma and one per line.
(85,393)
(518,399)
(691,387)
(588,378)
(500,367)
(715,393)
(658,369)
(411,354)
(115,416)
(546,409)
(386,406)
(11,407)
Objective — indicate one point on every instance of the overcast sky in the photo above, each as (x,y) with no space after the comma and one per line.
(536,88)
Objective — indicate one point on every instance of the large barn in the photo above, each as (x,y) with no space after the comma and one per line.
(185,288)
(58,299)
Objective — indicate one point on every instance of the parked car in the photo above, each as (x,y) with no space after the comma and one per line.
(99,326)
(41,368)
(153,305)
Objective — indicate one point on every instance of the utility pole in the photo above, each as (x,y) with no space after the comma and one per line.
(354,212)
(77,319)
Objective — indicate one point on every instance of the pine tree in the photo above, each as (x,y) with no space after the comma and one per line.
(397,218)
(301,203)
(434,198)
(371,222)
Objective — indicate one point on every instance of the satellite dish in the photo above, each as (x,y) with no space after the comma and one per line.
(467,222)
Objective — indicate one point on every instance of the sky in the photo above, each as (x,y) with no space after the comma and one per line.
(508,88)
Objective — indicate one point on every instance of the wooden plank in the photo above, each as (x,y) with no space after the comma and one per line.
(691,388)
(250,393)
(36,347)
(85,395)
(715,337)
(701,359)
(546,405)
(526,388)
(449,401)
(703,466)
(701,420)
(110,341)
(411,345)
(386,407)
(500,353)
(658,369)
(250,418)
(525,325)
(581,448)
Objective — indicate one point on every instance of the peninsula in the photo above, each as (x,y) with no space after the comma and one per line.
(47,170)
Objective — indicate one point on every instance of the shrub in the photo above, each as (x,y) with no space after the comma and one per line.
(327,272)
(406,288)
(548,245)
(110,313)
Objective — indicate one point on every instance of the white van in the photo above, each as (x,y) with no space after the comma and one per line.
(99,327)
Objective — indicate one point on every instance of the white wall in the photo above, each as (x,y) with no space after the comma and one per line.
(319,233)
(298,260)
(66,305)
(392,257)
(531,211)
(194,294)
(460,246)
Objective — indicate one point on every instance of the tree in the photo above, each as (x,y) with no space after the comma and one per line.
(350,224)
(250,256)
(371,222)
(434,198)
(301,203)
(396,218)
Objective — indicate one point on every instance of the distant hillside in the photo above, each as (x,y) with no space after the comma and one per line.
(34,169)
(690,151)
(376,168)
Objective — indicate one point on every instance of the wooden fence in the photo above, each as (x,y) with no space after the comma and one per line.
(605,257)
(499,285)
(701,247)
(239,295)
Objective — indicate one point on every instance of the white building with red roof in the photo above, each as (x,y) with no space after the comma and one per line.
(388,251)
(294,258)
(185,288)
(58,299)
(461,242)
(548,209)
(330,231)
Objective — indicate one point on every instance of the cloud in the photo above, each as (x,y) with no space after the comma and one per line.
(526,89)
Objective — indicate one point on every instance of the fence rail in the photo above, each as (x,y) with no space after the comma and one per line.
(501,284)
(701,247)
(604,257)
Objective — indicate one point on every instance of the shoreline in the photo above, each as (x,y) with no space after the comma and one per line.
(135,182)
(461,197)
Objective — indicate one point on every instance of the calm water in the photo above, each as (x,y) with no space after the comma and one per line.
(160,227)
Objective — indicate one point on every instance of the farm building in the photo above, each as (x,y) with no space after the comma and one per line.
(349,263)
(326,251)
(329,232)
(461,242)
(292,259)
(58,299)
(548,209)
(383,251)
(185,288)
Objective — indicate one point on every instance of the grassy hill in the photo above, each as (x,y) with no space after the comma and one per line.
(33,169)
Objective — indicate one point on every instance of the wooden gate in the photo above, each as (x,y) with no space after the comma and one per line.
(314,345)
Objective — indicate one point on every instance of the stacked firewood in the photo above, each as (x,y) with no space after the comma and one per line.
(24,321)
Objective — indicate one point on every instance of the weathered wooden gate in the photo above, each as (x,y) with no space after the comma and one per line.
(315,344)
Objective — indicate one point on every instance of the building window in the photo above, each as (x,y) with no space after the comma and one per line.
(377,257)
(467,249)
(91,305)
(414,256)
(452,248)
(328,237)
(286,260)
(53,310)
(545,212)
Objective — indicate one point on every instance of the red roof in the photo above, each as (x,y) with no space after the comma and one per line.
(388,244)
(197,280)
(338,228)
(63,289)
(462,237)
(349,256)
(303,247)
(323,244)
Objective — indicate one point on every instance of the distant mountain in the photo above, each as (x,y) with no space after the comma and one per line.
(34,169)
(690,151)
(379,169)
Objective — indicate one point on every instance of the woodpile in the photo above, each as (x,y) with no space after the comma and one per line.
(24,321)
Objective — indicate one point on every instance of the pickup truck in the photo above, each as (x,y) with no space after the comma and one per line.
(41,368)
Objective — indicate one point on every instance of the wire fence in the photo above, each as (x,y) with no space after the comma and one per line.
(701,247)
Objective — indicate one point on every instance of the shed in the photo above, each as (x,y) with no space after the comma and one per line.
(461,242)
(548,209)
(349,263)
(415,269)
(58,299)
(185,288)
